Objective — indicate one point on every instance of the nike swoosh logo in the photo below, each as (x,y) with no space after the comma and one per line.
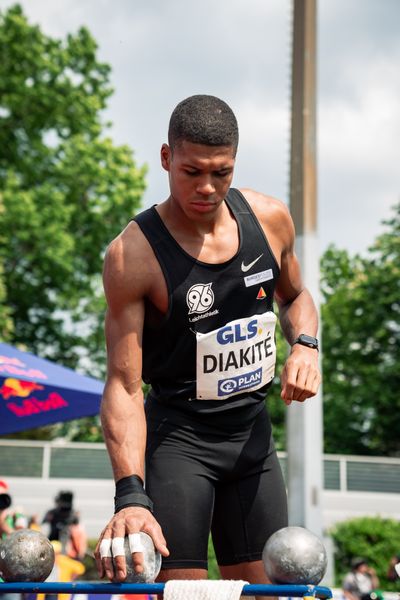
(246,268)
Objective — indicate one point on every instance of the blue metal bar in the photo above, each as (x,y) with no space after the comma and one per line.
(82,587)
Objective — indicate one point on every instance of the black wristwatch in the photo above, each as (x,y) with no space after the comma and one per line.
(307,340)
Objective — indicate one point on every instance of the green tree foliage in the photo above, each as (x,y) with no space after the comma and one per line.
(65,191)
(276,406)
(361,347)
(5,319)
(213,570)
(373,538)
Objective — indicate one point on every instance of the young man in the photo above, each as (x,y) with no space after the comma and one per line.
(190,285)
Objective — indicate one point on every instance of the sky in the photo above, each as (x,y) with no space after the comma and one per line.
(162,51)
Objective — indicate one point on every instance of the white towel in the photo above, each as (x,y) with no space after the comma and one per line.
(203,589)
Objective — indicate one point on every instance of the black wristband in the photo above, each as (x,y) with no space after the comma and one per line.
(126,485)
(129,491)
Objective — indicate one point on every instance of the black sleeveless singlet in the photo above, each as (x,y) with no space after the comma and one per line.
(227,299)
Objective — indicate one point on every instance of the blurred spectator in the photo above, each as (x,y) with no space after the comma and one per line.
(65,569)
(393,573)
(10,520)
(361,583)
(60,518)
(77,541)
(5,503)
(19,518)
(34,523)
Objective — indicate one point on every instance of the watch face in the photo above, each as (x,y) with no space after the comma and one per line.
(308,339)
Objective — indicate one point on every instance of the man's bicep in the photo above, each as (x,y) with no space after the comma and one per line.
(123,331)
(278,226)
(124,318)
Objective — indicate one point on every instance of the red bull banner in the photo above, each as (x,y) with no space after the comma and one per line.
(36,392)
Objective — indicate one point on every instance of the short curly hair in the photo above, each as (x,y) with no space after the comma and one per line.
(203,119)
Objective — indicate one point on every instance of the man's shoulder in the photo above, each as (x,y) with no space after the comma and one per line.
(128,245)
(129,259)
(273,214)
(265,205)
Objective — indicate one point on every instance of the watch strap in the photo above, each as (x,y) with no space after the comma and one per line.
(307,340)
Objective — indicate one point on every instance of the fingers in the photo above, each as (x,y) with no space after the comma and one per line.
(155,532)
(103,555)
(136,548)
(299,386)
(109,553)
(118,559)
(110,549)
(97,557)
(300,377)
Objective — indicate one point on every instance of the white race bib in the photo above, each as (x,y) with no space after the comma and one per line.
(236,358)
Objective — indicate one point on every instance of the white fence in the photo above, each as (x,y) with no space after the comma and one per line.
(37,471)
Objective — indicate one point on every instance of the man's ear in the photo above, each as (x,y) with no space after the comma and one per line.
(166,157)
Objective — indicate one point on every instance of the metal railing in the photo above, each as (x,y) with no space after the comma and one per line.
(292,591)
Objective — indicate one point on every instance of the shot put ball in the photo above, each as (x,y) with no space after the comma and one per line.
(151,561)
(26,555)
(294,555)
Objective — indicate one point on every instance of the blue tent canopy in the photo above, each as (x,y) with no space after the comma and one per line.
(36,392)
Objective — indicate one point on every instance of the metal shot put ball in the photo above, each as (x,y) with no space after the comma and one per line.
(151,561)
(294,555)
(26,555)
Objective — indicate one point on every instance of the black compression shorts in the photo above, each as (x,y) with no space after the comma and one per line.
(217,472)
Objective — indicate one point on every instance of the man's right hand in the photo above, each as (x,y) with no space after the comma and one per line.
(132,519)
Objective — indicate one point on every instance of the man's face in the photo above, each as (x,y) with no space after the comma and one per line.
(199,176)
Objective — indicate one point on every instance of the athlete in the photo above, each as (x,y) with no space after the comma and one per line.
(190,285)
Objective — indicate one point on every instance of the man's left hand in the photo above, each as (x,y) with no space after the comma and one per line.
(300,376)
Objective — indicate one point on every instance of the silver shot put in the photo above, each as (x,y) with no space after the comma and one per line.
(294,555)
(151,561)
(26,555)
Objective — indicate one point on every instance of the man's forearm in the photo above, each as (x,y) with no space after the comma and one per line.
(298,316)
(124,429)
